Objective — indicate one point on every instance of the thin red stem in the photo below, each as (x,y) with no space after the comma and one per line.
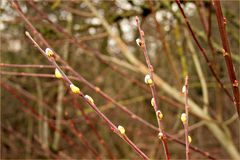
(203,52)
(186,123)
(222,21)
(153,88)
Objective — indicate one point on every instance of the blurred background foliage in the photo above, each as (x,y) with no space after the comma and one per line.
(22,136)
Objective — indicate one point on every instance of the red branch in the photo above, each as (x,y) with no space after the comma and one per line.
(186,123)
(203,52)
(222,21)
(153,88)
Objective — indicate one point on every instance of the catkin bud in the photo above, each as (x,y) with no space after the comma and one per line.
(159,115)
(189,139)
(49,52)
(160,135)
(121,129)
(75,89)
(184,89)
(89,99)
(27,33)
(148,79)
(153,102)
(139,42)
(183,117)
(58,73)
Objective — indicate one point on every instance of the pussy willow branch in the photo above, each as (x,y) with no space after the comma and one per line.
(76,42)
(92,105)
(227,53)
(94,88)
(152,86)
(203,52)
(186,123)
(82,46)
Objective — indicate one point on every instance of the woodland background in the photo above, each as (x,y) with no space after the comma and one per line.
(105,53)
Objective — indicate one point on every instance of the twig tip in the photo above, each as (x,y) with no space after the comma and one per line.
(27,33)
(137,19)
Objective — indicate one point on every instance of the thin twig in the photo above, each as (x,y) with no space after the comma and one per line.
(153,89)
(222,21)
(202,51)
(184,116)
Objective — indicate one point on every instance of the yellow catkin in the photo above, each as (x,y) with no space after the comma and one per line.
(153,102)
(58,73)
(139,42)
(75,89)
(189,139)
(183,117)
(159,115)
(160,135)
(121,129)
(49,52)
(184,89)
(148,79)
(90,99)
(27,33)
